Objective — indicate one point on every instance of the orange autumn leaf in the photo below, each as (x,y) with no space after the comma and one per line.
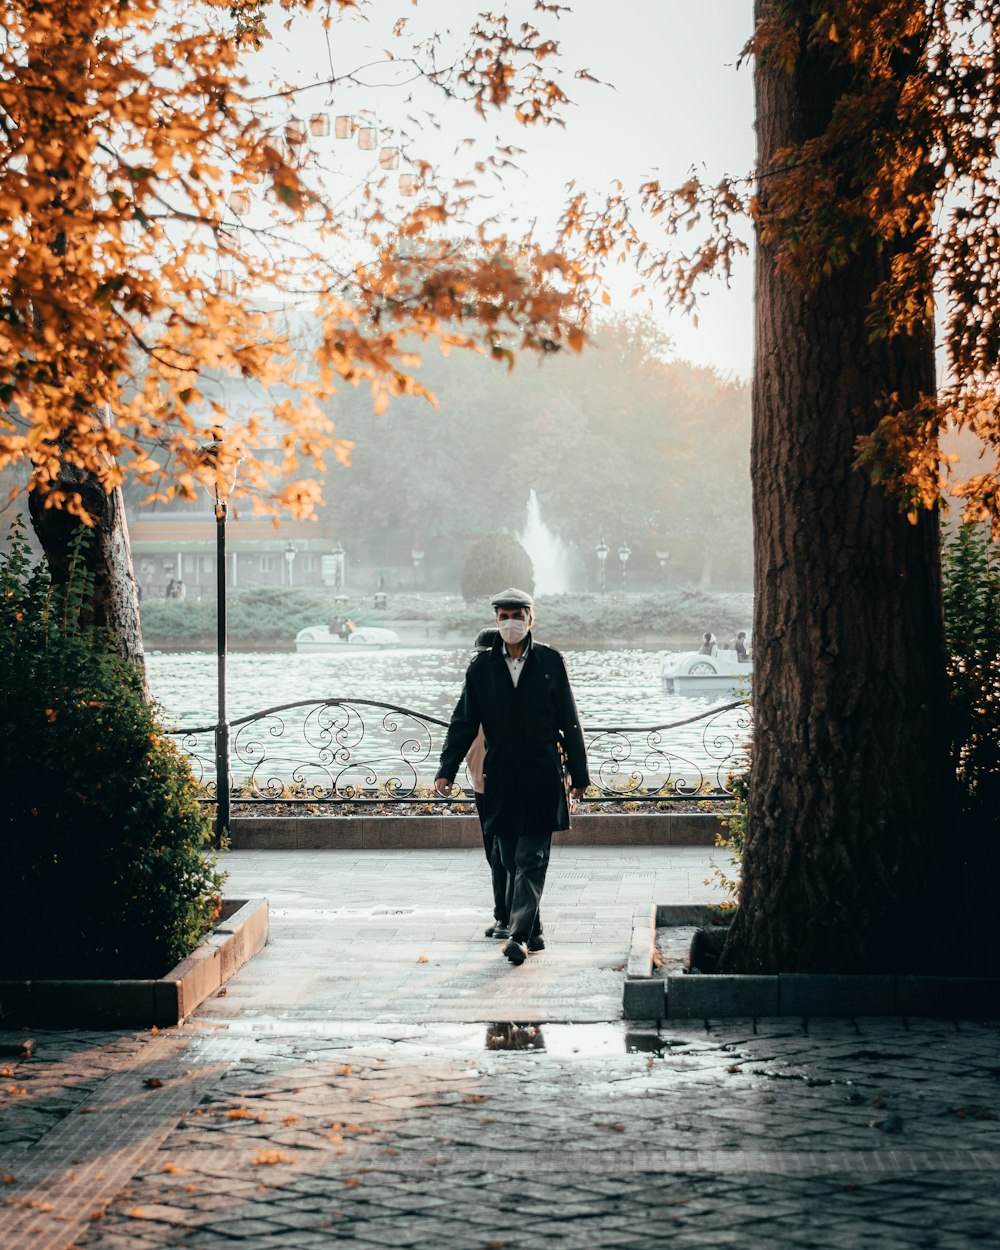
(132,253)
(267,1157)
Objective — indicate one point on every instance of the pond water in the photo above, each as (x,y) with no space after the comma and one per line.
(365,748)
(612,687)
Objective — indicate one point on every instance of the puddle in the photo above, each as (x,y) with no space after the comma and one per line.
(557,1041)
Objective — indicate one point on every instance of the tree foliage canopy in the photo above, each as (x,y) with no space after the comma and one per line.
(907,155)
(153,199)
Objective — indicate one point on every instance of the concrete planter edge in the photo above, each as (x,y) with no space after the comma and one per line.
(694,996)
(383,833)
(142,1003)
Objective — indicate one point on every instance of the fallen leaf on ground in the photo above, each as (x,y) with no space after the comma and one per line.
(272,1156)
(422,959)
(172,1167)
(153,1082)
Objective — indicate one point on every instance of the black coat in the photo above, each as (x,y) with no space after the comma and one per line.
(523,727)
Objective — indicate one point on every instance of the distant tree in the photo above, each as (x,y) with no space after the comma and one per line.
(619,441)
(493,563)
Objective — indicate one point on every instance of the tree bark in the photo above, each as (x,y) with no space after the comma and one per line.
(115,603)
(850,782)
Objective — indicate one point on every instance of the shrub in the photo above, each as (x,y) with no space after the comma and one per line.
(495,562)
(104,869)
(972,629)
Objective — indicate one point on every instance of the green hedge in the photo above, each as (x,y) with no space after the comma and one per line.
(683,612)
(271,616)
(104,866)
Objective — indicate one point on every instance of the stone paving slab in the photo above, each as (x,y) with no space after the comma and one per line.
(298,1127)
(400,936)
(830,1134)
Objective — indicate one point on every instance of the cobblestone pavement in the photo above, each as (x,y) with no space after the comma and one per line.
(294,1129)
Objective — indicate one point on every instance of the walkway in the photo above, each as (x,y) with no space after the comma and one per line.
(344,1093)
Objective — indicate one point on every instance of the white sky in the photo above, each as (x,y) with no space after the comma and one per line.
(678,101)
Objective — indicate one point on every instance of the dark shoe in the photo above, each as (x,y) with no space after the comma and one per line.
(516,951)
(498,930)
(536,944)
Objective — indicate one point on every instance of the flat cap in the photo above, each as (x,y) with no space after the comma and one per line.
(512,598)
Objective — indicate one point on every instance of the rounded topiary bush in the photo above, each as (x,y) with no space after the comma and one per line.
(495,562)
(103,841)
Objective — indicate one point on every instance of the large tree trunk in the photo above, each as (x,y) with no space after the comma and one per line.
(115,604)
(850,779)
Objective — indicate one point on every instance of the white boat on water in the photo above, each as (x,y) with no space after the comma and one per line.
(692,672)
(321,638)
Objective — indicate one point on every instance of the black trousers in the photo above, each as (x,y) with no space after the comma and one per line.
(524,854)
(498,874)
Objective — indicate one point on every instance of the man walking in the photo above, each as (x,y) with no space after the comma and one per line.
(475,763)
(519,692)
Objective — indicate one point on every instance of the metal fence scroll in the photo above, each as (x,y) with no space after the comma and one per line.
(358,751)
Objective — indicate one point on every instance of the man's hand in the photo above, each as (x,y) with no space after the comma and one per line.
(443,786)
(577,792)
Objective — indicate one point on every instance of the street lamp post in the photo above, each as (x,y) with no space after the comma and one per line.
(222,725)
(417,556)
(623,555)
(211,454)
(664,559)
(290,554)
(601,551)
(338,574)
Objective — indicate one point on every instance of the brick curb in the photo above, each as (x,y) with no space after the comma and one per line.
(161,1001)
(693,996)
(395,833)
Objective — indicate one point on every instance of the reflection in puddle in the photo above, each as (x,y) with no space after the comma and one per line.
(645,1044)
(510,1036)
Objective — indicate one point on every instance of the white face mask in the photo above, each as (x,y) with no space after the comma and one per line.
(512,630)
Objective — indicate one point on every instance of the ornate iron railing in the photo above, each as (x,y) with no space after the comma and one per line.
(327,751)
